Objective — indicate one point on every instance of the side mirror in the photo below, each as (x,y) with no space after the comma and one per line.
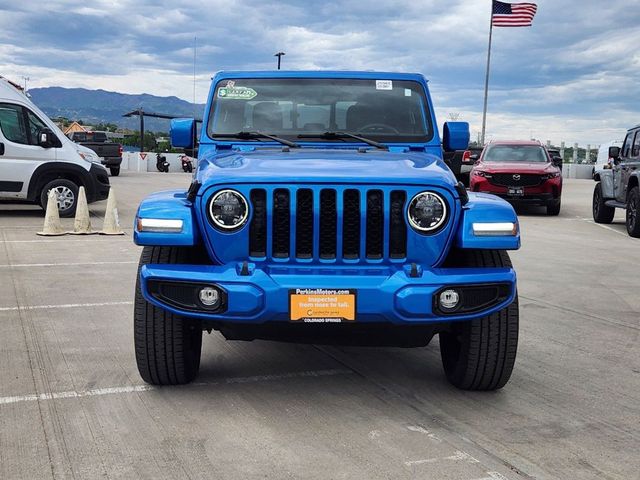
(455,136)
(47,139)
(614,152)
(183,132)
(557,161)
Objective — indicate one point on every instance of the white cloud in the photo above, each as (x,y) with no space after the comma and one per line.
(571,76)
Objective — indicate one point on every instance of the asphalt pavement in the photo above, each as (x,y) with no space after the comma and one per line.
(72,404)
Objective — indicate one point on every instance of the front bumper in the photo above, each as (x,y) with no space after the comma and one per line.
(99,188)
(257,295)
(548,192)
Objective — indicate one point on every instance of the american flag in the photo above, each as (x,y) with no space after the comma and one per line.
(513,14)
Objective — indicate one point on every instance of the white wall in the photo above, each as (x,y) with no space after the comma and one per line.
(134,161)
(577,170)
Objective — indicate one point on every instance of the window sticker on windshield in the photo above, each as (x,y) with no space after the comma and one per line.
(407,92)
(237,93)
(384,85)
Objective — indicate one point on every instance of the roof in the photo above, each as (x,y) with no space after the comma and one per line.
(320,74)
(516,142)
(10,90)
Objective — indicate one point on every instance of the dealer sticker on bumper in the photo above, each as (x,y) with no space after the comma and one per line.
(320,305)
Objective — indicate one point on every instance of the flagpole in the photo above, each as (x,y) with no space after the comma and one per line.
(486,80)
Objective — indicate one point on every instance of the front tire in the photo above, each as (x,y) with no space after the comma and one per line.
(553,210)
(601,212)
(633,205)
(67,196)
(480,354)
(167,346)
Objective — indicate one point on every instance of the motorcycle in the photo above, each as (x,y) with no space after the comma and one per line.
(161,163)
(187,164)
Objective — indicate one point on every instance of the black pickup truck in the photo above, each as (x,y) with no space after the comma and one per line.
(109,152)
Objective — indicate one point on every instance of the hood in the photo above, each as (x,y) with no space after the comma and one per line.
(516,167)
(306,165)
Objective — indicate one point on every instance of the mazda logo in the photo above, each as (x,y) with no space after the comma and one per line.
(516,177)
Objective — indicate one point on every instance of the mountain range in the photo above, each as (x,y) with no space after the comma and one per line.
(101,106)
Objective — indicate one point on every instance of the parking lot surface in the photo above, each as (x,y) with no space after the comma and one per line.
(73,406)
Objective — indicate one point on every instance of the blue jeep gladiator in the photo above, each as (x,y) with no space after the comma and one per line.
(322,211)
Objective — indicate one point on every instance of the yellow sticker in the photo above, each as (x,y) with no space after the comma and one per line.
(320,305)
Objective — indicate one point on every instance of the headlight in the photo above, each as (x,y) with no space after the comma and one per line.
(228,209)
(427,212)
(89,157)
(480,173)
(549,176)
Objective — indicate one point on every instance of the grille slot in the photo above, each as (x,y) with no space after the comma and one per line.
(507,180)
(375,224)
(351,225)
(397,225)
(281,223)
(328,224)
(304,223)
(258,227)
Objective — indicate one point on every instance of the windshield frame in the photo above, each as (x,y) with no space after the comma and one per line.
(416,85)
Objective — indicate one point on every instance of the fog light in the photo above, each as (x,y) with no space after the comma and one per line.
(449,299)
(209,296)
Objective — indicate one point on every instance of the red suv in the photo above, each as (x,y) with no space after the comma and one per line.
(520,172)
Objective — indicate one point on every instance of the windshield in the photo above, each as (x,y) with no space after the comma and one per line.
(294,108)
(515,153)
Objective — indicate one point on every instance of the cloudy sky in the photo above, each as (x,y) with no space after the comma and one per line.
(572,77)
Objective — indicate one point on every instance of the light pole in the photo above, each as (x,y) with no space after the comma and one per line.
(279,55)
(26,79)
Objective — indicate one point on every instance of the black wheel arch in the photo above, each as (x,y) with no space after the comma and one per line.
(53,170)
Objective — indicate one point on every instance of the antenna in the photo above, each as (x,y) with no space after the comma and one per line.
(195,45)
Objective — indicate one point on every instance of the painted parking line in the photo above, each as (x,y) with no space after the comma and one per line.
(65,305)
(76,239)
(70,264)
(458,456)
(606,227)
(146,388)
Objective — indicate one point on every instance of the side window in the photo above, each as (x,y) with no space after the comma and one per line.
(35,127)
(635,151)
(12,123)
(626,146)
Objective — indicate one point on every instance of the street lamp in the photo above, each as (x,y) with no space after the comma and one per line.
(279,55)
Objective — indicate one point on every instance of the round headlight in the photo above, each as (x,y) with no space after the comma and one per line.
(427,212)
(228,209)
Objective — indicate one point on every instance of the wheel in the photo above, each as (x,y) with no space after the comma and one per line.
(115,171)
(167,346)
(67,194)
(633,203)
(601,212)
(554,208)
(480,354)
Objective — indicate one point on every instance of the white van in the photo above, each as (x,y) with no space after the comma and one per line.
(603,161)
(36,157)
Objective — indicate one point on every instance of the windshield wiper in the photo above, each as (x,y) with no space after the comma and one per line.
(329,135)
(247,135)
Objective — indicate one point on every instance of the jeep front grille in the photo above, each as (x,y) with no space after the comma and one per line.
(328,224)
